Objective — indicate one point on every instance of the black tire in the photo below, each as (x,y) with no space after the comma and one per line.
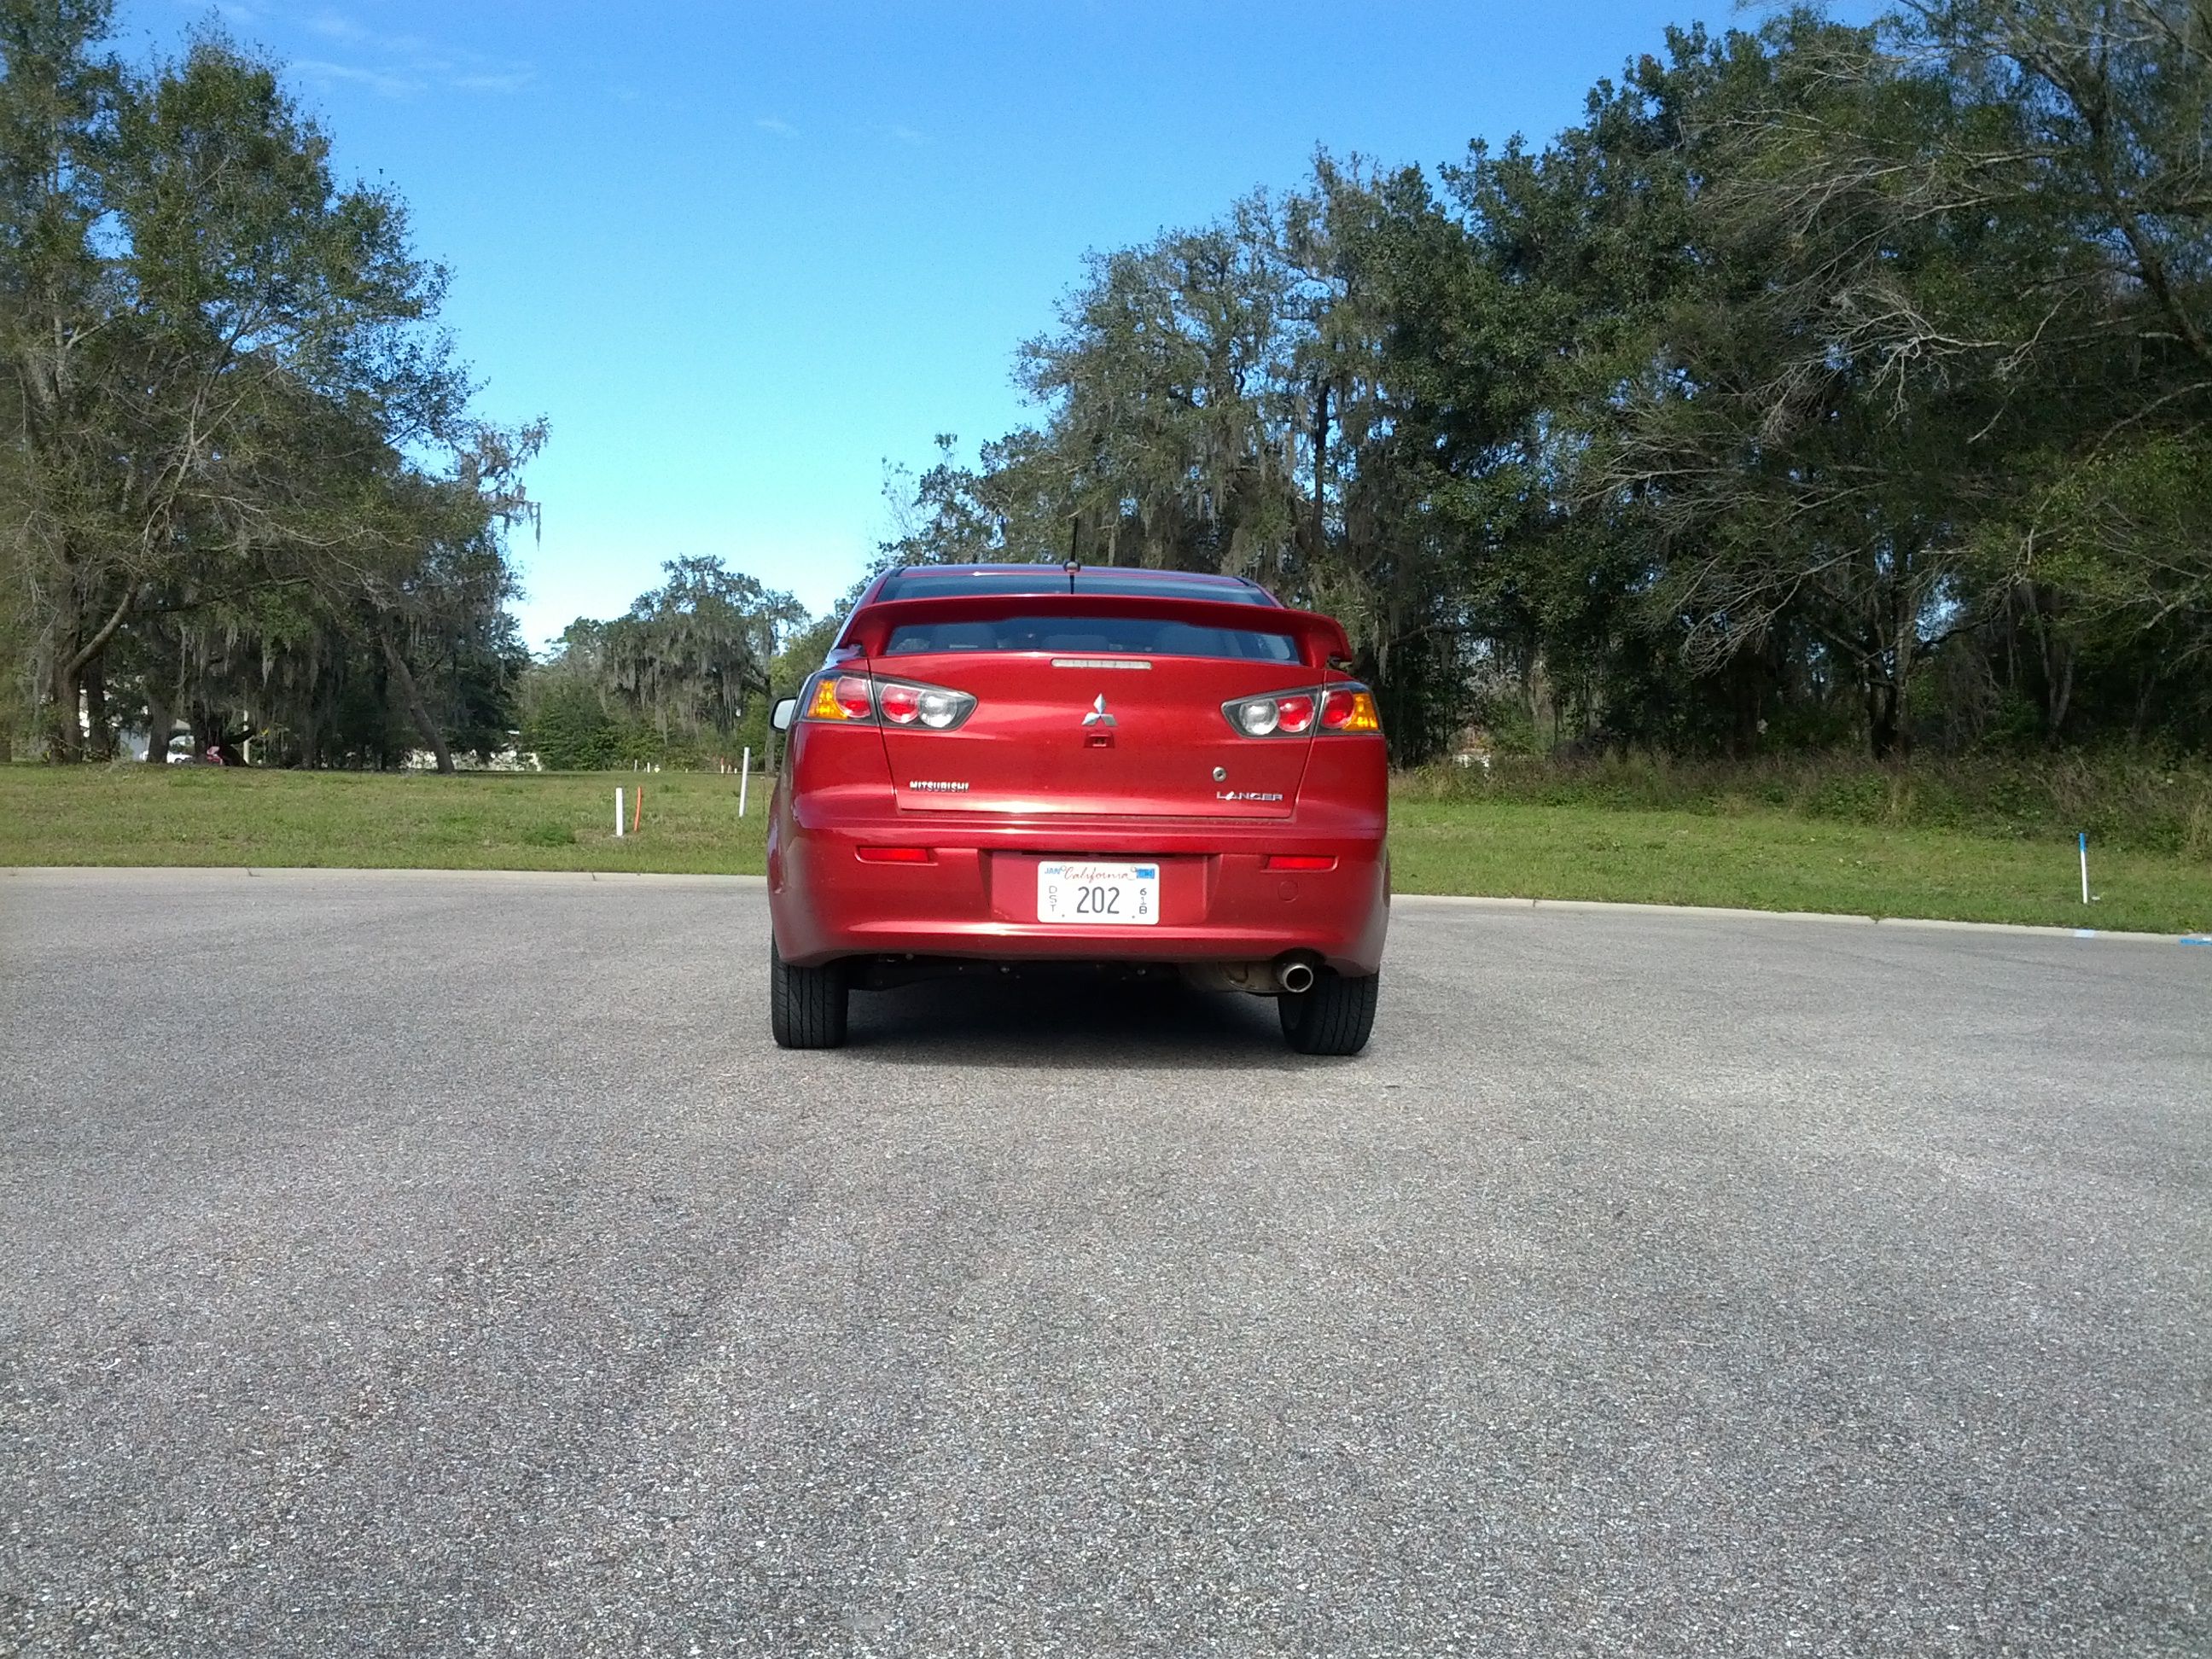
(1334,1017)
(806,1006)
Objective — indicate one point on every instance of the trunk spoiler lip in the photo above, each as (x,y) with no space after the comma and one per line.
(1321,639)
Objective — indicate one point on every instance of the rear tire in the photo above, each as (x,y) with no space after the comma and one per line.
(1334,1017)
(806,1006)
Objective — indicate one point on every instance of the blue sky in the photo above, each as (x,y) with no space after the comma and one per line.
(742,256)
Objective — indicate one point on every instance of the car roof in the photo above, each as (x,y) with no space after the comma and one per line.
(936,581)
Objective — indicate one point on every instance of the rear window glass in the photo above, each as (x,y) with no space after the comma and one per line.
(1143,636)
(920,582)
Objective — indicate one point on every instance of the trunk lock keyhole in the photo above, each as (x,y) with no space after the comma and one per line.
(1221,774)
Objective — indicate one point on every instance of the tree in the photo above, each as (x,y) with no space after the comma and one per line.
(226,418)
(690,656)
(692,662)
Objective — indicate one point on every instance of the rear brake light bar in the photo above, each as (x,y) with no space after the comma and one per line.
(867,701)
(1299,714)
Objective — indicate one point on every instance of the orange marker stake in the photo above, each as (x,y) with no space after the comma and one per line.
(637,814)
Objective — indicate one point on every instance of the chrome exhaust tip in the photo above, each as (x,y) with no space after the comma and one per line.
(1295,978)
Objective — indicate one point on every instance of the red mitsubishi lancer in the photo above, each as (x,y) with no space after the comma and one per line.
(1150,770)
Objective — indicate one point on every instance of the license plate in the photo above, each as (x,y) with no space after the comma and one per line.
(1099,895)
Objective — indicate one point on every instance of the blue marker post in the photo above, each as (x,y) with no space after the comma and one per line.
(2083,840)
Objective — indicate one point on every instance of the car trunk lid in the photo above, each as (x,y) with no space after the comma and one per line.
(1073,716)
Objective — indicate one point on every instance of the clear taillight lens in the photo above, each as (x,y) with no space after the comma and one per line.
(1255,718)
(942,710)
(1295,713)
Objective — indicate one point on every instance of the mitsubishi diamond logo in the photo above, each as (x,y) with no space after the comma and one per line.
(1098,716)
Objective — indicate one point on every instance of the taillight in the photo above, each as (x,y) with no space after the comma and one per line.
(894,703)
(1350,708)
(1292,714)
(840,697)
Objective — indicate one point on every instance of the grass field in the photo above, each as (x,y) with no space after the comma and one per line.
(1767,860)
(398,820)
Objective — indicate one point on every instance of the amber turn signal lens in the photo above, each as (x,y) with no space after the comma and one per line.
(823,706)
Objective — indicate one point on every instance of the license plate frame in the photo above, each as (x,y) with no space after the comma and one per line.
(1098,893)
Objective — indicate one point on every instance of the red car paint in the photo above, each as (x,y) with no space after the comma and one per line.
(889,839)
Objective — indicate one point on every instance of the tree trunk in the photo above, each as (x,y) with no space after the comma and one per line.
(2058,678)
(1882,720)
(159,717)
(1321,471)
(2140,722)
(1884,705)
(81,670)
(99,735)
(411,694)
(65,733)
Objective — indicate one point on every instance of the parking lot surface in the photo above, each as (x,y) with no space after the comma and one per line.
(441,1264)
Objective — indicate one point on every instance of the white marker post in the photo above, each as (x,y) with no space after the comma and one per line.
(744,778)
(2083,841)
(619,812)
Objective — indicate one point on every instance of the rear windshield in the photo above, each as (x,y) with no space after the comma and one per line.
(1142,636)
(920,582)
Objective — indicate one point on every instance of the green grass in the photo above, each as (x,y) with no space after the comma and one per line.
(1767,861)
(475,821)
(1743,857)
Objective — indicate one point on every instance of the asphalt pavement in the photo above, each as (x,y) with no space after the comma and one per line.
(447,1264)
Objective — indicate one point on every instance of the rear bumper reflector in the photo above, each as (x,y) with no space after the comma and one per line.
(903,855)
(1297,861)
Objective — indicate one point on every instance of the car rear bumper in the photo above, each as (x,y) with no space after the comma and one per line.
(977,897)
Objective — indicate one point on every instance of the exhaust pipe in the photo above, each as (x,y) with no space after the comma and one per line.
(1290,974)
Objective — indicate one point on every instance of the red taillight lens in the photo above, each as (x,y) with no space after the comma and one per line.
(894,855)
(1297,861)
(1350,708)
(1295,713)
(855,699)
(902,704)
